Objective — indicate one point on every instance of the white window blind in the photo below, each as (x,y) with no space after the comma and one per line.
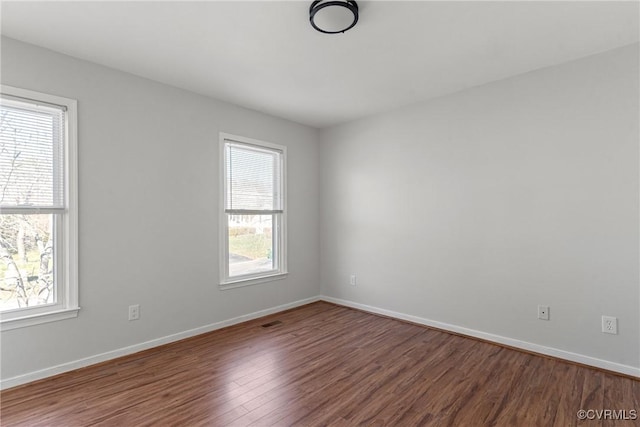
(253,180)
(31,156)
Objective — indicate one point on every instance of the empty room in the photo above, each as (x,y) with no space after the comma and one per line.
(319,213)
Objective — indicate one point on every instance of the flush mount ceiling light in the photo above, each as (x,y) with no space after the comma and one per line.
(332,17)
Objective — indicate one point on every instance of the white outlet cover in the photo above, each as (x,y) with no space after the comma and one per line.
(610,325)
(543,312)
(134,312)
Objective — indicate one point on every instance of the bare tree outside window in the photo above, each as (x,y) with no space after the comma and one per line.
(26,239)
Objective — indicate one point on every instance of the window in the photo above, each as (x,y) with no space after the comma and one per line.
(38,208)
(253,217)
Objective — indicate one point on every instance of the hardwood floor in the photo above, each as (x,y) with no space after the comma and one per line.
(323,365)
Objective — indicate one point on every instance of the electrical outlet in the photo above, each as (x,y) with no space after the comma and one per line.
(543,312)
(134,312)
(609,325)
(352,280)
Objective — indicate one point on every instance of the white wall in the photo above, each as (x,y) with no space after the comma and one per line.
(471,209)
(148,180)
(474,208)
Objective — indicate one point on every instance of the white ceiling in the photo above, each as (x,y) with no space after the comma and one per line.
(265,55)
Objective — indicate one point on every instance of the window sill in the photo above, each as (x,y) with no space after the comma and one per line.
(37,319)
(231,284)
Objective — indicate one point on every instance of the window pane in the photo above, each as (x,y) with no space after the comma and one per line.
(26,261)
(31,172)
(250,244)
(253,178)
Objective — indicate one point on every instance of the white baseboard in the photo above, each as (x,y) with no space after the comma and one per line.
(511,342)
(124,351)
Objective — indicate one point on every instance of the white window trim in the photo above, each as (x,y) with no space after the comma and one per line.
(227,282)
(67,306)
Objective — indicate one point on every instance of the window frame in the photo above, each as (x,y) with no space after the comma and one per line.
(65,223)
(279,222)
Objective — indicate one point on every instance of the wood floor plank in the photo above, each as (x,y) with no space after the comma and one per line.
(620,397)
(324,365)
